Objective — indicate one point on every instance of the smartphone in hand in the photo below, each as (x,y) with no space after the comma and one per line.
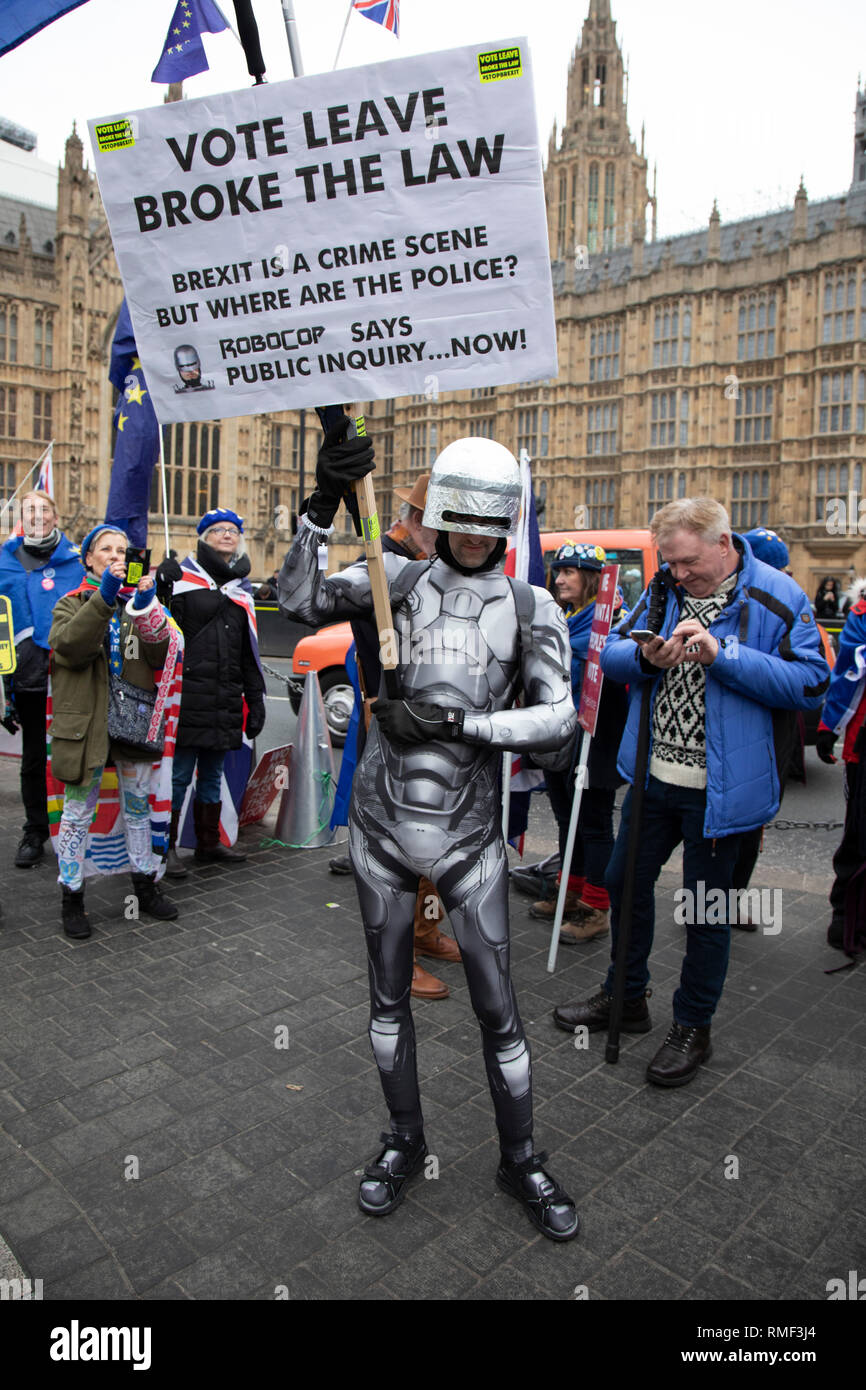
(137,563)
(642,634)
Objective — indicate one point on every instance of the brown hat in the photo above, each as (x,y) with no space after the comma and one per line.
(418,494)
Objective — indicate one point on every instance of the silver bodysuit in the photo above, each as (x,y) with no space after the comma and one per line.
(433,809)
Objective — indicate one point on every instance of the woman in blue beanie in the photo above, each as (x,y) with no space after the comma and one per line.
(107,639)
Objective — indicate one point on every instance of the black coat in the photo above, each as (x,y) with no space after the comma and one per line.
(219,668)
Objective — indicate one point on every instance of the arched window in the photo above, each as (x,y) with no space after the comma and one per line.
(592,210)
(609,208)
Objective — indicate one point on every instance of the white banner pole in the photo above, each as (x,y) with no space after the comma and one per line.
(507,760)
(579,783)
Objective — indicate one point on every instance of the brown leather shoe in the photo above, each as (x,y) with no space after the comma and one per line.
(436,945)
(592,922)
(429,912)
(545,910)
(426,986)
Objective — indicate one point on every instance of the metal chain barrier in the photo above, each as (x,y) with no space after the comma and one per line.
(805,825)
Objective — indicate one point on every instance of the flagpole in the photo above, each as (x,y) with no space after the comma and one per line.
(164,489)
(292,36)
(343,35)
(28,476)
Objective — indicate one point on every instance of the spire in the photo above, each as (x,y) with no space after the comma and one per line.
(801,203)
(599,10)
(858,180)
(714,236)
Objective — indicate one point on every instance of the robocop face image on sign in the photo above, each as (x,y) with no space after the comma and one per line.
(188,364)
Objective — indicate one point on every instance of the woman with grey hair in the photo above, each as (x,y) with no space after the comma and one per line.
(212,603)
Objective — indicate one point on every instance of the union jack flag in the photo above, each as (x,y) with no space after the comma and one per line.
(386,12)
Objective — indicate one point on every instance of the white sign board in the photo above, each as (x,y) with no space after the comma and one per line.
(368,233)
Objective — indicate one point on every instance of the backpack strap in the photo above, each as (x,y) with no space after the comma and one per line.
(401,587)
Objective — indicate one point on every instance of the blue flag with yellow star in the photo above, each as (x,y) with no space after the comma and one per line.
(136,446)
(183,52)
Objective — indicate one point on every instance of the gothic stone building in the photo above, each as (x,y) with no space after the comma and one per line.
(730,361)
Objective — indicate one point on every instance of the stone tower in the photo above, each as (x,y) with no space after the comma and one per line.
(858,180)
(596,180)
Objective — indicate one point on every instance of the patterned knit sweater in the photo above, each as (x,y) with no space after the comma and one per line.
(679,752)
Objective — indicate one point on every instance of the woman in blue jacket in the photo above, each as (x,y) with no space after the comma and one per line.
(36,569)
(576,572)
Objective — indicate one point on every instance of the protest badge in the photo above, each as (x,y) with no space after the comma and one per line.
(270,777)
(374,232)
(593,676)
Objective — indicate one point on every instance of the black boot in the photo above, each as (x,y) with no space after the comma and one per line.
(30,850)
(174,867)
(594,1014)
(151,900)
(679,1056)
(547,1205)
(208,850)
(385,1178)
(74,918)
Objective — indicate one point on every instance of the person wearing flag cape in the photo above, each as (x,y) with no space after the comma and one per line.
(212,601)
(426,794)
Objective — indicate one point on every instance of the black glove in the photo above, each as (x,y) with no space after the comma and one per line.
(9,723)
(824,741)
(341,463)
(167,575)
(255,720)
(417,722)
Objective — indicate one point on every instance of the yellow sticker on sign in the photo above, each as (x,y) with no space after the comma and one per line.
(499,64)
(114,135)
(370,526)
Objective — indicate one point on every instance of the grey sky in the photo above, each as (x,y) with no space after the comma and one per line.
(739,97)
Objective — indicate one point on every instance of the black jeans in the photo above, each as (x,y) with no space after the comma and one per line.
(847,859)
(30,705)
(671,816)
(593,843)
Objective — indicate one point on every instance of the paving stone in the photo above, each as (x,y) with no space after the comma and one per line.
(153,1256)
(61,1251)
(677,1245)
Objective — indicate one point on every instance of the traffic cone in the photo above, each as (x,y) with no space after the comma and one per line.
(304,817)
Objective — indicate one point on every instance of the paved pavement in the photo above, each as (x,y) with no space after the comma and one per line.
(158,1141)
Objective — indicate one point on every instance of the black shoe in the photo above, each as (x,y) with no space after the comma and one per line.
(75,920)
(151,900)
(835,933)
(679,1056)
(30,850)
(385,1178)
(594,1014)
(547,1205)
(341,865)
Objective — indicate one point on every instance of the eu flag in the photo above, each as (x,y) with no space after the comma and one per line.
(136,447)
(21,19)
(183,52)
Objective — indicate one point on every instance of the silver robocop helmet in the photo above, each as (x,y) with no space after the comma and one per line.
(474,478)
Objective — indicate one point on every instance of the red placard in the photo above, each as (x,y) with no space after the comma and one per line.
(593,678)
(270,777)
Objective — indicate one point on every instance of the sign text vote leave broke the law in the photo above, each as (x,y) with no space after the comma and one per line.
(335,238)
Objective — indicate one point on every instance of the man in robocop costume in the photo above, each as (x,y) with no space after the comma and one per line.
(426,795)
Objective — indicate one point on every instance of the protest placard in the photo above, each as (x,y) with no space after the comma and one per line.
(593,676)
(373,232)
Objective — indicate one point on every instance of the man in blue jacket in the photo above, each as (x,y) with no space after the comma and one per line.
(737,640)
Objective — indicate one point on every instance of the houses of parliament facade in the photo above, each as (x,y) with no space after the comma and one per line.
(729,361)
